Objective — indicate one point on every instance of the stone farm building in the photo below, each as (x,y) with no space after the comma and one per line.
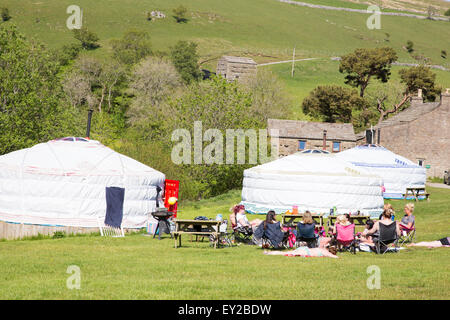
(236,68)
(420,133)
(296,135)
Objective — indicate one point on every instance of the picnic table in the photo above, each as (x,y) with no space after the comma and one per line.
(357,220)
(416,193)
(198,228)
(290,219)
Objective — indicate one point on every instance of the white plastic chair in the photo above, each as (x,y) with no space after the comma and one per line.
(108,231)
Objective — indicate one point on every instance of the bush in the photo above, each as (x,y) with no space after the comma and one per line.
(409,46)
(67,53)
(4,12)
(132,47)
(87,38)
(179,14)
(444,54)
(185,59)
(447,13)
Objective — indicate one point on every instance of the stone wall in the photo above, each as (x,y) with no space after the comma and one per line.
(426,138)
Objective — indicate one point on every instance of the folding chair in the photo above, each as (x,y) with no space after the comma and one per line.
(345,237)
(305,233)
(242,234)
(388,238)
(407,234)
(279,238)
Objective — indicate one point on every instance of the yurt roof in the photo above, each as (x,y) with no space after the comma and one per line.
(372,155)
(73,156)
(316,161)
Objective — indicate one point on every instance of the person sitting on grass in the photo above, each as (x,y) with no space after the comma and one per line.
(408,219)
(306,252)
(365,237)
(444,242)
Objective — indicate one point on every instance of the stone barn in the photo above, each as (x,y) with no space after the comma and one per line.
(296,135)
(236,68)
(420,133)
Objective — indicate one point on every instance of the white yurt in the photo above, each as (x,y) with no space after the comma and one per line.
(62,183)
(398,173)
(313,180)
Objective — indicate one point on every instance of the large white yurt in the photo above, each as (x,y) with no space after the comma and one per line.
(313,180)
(398,173)
(62,183)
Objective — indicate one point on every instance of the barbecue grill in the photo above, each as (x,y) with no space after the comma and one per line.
(162,215)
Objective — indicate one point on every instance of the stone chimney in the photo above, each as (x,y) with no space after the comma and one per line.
(417,100)
(445,99)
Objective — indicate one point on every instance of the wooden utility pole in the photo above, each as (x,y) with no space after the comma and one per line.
(293,63)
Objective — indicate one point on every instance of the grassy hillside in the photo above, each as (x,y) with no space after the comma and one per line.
(264,29)
(324,71)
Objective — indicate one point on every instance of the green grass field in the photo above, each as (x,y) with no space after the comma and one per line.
(139,267)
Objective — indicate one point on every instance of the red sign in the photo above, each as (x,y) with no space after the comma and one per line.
(171,188)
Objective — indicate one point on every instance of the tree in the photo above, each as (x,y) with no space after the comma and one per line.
(185,59)
(30,92)
(132,47)
(333,103)
(268,96)
(413,78)
(447,13)
(5,14)
(409,46)
(431,11)
(179,13)
(364,64)
(153,80)
(87,38)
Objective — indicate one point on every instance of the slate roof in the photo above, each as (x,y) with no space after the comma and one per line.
(296,129)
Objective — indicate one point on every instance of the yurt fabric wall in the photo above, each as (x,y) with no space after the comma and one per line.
(314,181)
(62,183)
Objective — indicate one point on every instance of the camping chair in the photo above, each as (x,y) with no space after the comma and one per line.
(109,231)
(345,237)
(272,236)
(407,234)
(306,235)
(242,234)
(226,237)
(388,238)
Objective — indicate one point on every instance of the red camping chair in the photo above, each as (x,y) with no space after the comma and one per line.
(345,237)
(407,234)
(171,188)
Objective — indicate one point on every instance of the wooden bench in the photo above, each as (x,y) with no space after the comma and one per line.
(357,220)
(207,227)
(416,193)
(290,219)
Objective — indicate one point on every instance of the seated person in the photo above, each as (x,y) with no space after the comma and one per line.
(241,218)
(271,229)
(408,219)
(340,219)
(386,219)
(365,237)
(306,227)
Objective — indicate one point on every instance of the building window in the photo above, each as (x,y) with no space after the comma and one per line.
(336,146)
(420,162)
(302,145)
